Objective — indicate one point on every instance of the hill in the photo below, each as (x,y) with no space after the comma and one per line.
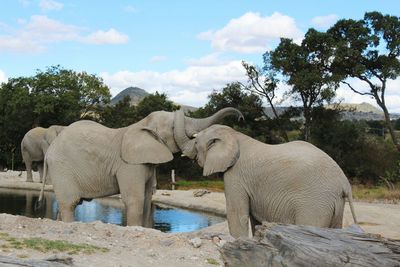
(136,94)
(363,111)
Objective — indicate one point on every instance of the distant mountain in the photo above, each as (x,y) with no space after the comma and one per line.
(136,94)
(363,111)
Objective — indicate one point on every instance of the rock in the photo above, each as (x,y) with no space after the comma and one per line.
(200,192)
(195,242)
(166,243)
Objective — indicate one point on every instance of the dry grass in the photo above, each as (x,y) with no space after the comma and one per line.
(370,193)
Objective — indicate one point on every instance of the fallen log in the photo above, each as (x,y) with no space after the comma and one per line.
(295,245)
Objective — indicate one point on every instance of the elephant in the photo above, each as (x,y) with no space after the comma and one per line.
(89,160)
(34,146)
(291,183)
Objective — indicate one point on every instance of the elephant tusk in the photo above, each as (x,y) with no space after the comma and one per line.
(194,135)
(183,155)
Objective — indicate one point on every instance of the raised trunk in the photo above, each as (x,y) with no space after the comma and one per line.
(185,144)
(194,126)
(185,127)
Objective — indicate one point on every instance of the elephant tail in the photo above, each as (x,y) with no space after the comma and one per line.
(349,197)
(40,202)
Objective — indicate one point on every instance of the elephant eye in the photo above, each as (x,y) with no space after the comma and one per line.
(211,143)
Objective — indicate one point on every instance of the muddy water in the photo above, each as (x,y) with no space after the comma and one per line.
(108,210)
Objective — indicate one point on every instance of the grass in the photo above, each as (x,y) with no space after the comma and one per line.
(212,261)
(44,245)
(362,192)
(214,186)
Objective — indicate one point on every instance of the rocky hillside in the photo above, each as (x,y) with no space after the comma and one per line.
(136,94)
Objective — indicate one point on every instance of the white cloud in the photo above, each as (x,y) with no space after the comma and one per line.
(34,35)
(252,33)
(130,9)
(50,5)
(208,60)
(190,86)
(158,58)
(3,77)
(324,22)
(107,37)
(25,3)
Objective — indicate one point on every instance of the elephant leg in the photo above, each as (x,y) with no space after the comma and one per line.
(148,212)
(237,210)
(29,177)
(132,183)
(28,164)
(67,207)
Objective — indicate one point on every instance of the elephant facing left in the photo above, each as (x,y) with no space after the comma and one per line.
(89,160)
(34,146)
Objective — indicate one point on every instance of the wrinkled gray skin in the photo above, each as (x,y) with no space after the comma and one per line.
(89,160)
(293,183)
(34,146)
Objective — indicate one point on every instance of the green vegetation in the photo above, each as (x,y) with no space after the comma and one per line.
(212,261)
(212,185)
(44,245)
(370,193)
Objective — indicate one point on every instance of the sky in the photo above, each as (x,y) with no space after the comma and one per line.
(185,49)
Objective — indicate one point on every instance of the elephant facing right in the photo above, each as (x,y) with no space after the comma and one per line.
(294,183)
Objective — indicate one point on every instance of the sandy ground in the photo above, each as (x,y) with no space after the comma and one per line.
(137,246)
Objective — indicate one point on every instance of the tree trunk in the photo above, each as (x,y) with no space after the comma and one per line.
(295,245)
(390,126)
(9,261)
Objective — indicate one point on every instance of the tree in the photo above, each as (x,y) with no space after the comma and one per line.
(63,96)
(154,102)
(368,50)
(305,68)
(119,115)
(54,96)
(256,123)
(263,82)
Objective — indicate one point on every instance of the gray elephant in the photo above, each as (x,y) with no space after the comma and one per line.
(34,146)
(89,160)
(294,183)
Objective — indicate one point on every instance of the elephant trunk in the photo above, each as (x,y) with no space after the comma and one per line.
(185,144)
(185,128)
(194,126)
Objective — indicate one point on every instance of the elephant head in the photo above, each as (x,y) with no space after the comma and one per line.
(216,149)
(186,128)
(156,137)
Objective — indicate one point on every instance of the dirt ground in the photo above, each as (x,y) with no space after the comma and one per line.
(137,246)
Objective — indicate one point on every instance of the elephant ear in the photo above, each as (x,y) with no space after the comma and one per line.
(144,145)
(221,154)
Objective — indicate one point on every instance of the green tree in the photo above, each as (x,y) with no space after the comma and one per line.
(368,50)
(154,102)
(16,118)
(119,115)
(263,82)
(362,156)
(305,68)
(63,96)
(54,96)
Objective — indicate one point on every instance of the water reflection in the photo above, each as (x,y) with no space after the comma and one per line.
(21,202)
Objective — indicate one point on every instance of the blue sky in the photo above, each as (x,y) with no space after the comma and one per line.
(183,48)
